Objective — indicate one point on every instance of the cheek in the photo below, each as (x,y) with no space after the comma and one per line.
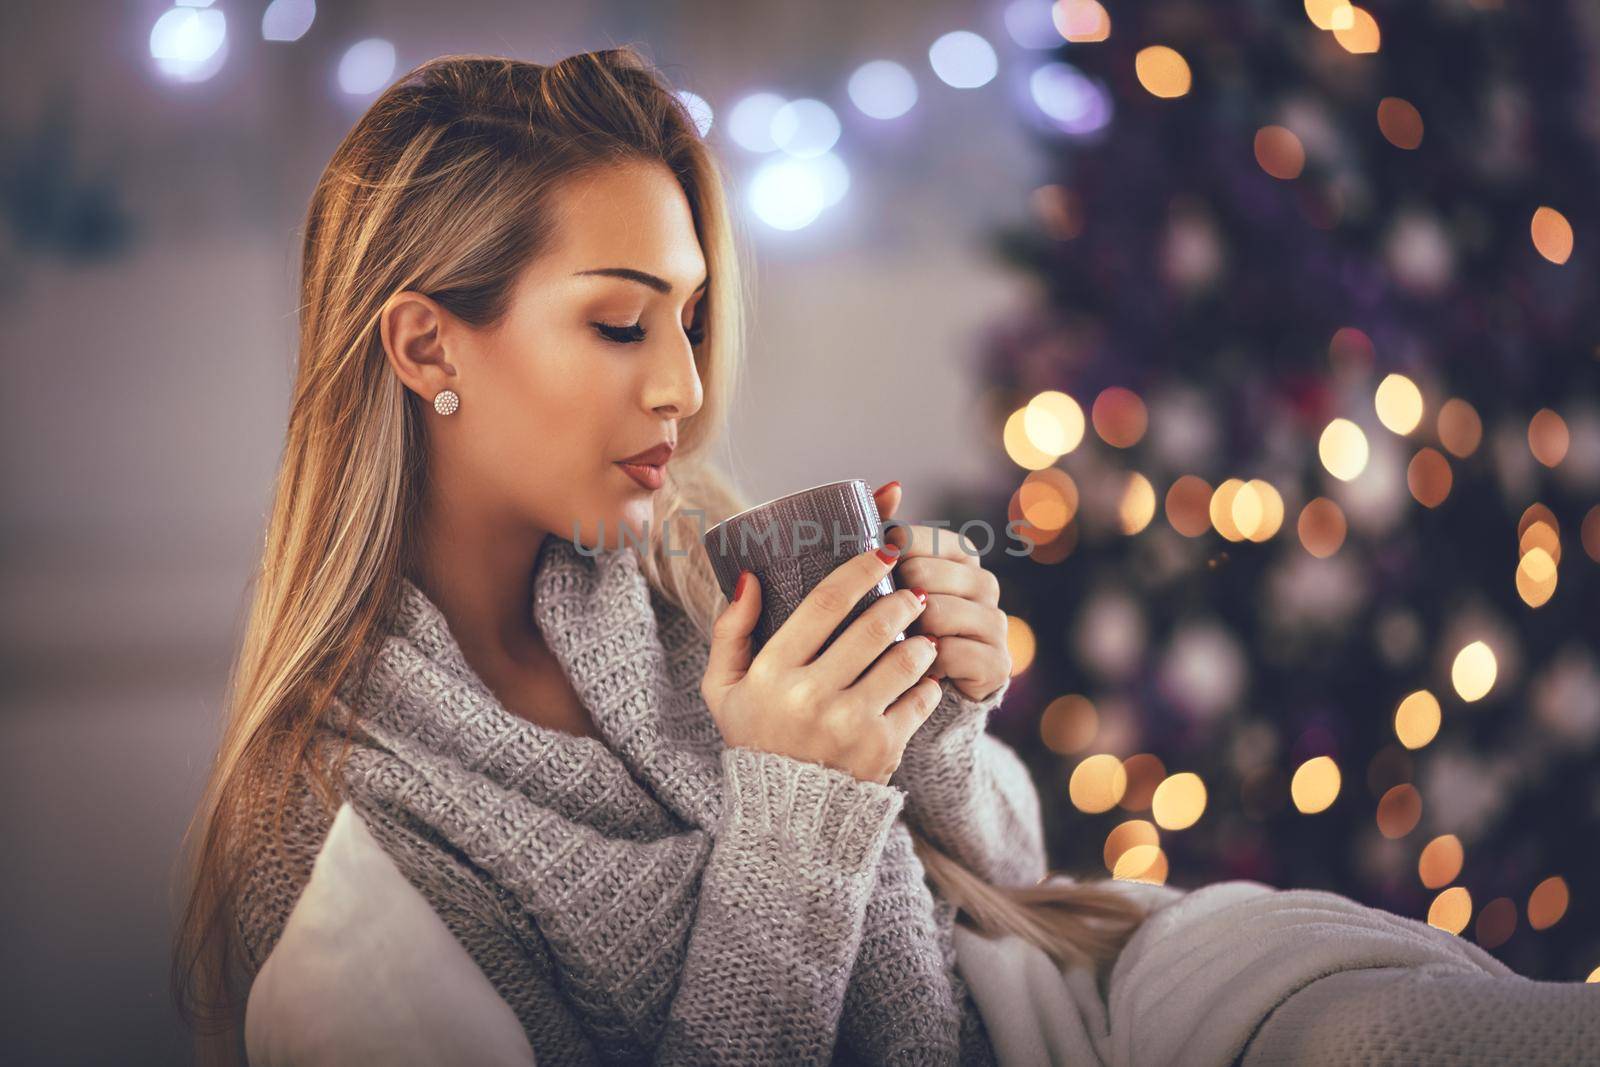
(556,402)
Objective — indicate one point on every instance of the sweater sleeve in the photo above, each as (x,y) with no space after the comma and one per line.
(780,913)
(970,794)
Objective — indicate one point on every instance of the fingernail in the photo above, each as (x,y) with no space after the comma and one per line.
(922,597)
(888,553)
(738,587)
(884,486)
(932,640)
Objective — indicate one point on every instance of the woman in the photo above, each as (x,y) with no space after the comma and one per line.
(519,297)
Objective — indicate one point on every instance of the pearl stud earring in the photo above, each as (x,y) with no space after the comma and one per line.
(446,402)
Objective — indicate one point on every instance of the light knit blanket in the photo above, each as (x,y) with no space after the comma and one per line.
(1339,984)
(659,896)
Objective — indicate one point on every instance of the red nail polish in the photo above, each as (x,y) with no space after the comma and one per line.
(880,490)
(738,587)
(932,640)
(922,597)
(888,553)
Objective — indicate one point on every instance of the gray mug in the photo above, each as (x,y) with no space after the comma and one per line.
(791,543)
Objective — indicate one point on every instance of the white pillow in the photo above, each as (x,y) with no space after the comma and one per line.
(366,972)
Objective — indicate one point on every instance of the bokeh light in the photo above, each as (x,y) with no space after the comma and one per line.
(1059,210)
(1054,423)
(1459,427)
(750,121)
(1399,403)
(1128,835)
(1048,499)
(1162,71)
(1179,801)
(1138,504)
(1451,910)
(1548,437)
(1497,921)
(1552,234)
(1548,902)
(1020,643)
(882,89)
(963,60)
(1416,720)
(1590,533)
(1097,783)
(1321,527)
(1343,449)
(1362,35)
(1119,417)
(1188,504)
(1069,724)
(1315,785)
(189,44)
(1145,772)
(1279,152)
(366,66)
(1536,577)
(1330,14)
(1081,21)
(1440,861)
(1428,477)
(1399,122)
(287,20)
(1142,863)
(788,194)
(1031,23)
(1473,671)
(804,128)
(1070,99)
(1399,811)
(699,110)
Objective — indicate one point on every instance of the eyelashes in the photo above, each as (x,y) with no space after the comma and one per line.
(633,334)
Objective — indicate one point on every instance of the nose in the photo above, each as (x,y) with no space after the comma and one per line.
(672,388)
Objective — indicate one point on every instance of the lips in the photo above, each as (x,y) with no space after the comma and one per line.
(653,457)
(646,467)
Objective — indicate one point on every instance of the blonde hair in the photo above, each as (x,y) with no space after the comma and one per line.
(444,187)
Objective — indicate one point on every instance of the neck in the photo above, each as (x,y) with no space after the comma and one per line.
(478,567)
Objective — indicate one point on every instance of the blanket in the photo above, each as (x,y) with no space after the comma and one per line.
(1209,965)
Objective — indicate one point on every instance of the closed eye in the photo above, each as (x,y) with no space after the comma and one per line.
(634,333)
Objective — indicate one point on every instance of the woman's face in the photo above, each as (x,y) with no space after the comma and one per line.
(592,364)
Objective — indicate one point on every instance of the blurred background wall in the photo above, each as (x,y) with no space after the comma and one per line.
(1141,276)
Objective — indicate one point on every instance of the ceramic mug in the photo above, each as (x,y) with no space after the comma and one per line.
(791,543)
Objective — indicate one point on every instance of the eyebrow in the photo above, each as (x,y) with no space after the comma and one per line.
(660,285)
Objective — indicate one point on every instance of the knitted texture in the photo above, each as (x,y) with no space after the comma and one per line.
(1397,1016)
(659,896)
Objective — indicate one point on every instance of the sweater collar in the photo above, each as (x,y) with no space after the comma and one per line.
(634,660)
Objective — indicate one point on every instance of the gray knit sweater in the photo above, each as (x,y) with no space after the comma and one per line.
(660,896)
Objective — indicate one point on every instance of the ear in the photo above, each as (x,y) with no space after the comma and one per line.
(411,326)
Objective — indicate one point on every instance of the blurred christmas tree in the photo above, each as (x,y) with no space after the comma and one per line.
(1308,410)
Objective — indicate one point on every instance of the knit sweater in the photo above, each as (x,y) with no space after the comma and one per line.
(659,895)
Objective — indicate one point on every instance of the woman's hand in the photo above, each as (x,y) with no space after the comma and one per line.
(963,601)
(853,707)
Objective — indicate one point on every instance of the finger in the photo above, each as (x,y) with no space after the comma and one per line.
(731,640)
(976,665)
(945,615)
(948,577)
(900,667)
(915,539)
(799,637)
(887,497)
(911,709)
(865,639)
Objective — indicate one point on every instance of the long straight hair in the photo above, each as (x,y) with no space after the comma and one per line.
(444,187)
